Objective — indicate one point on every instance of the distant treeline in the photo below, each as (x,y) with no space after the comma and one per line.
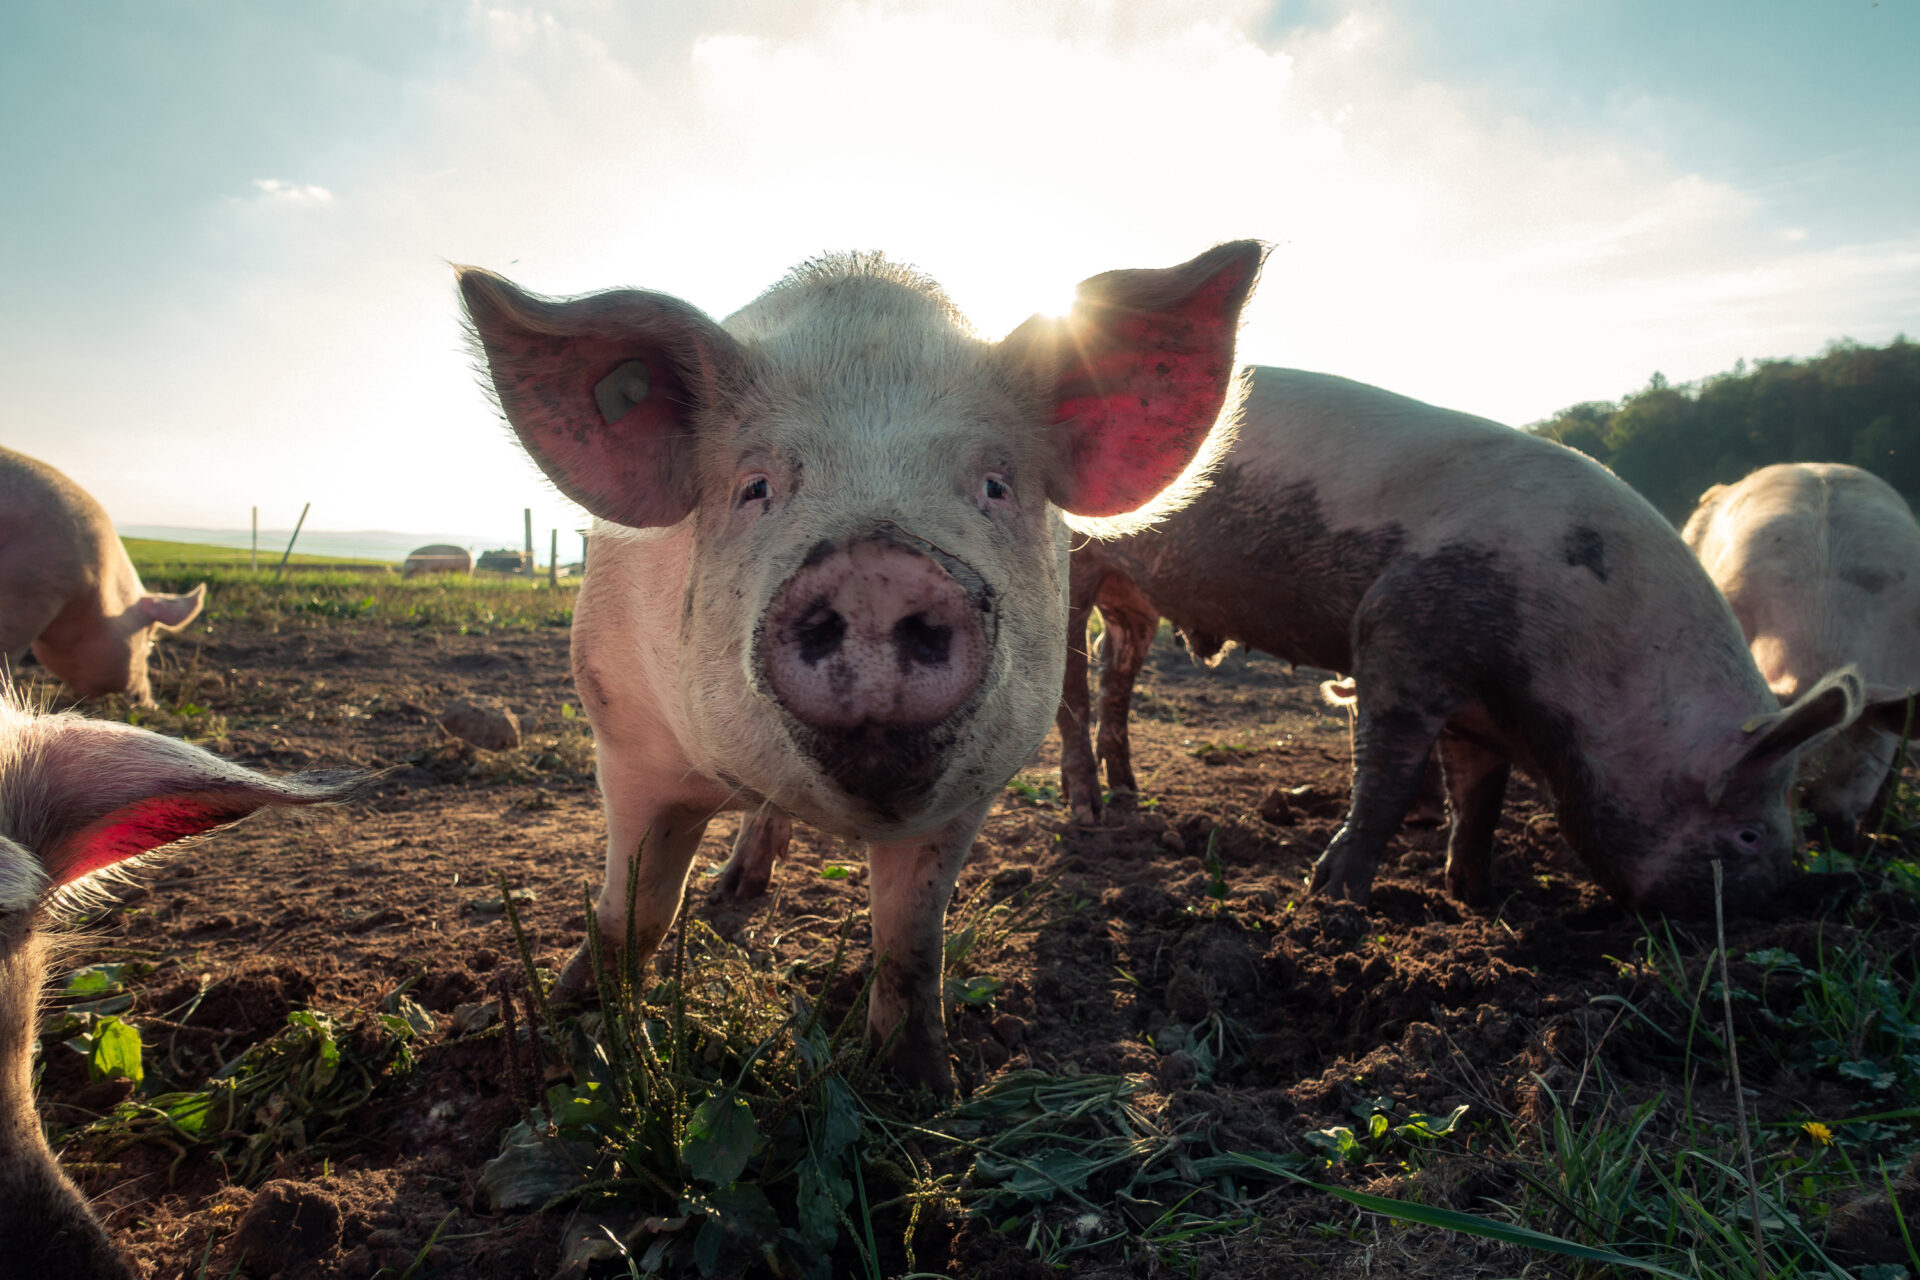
(1851,404)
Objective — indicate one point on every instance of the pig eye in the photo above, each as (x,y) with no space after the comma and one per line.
(995,488)
(1749,837)
(756,489)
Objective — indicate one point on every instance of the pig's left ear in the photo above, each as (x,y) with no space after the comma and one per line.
(174,612)
(92,794)
(1763,742)
(1138,374)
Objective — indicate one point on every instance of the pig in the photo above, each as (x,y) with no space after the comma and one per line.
(68,590)
(1491,592)
(79,798)
(829,562)
(1821,563)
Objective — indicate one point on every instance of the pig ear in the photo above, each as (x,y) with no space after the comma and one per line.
(95,794)
(1138,373)
(174,612)
(1832,704)
(603,390)
(1887,709)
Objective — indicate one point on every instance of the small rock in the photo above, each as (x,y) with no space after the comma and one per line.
(1009,1030)
(1177,1070)
(1276,810)
(287,1222)
(469,1018)
(493,902)
(483,722)
(1172,840)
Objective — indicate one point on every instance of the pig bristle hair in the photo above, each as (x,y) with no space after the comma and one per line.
(829,269)
(1189,484)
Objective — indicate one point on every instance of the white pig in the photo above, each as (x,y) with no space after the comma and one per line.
(78,797)
(68,590)
(829,567)
(1496,593)
(1821,563)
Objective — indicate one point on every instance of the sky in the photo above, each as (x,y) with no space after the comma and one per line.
(226,228)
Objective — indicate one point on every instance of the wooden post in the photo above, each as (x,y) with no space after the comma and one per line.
(553,561)
(290,541)
(529,515)
(583,553)
(253,560)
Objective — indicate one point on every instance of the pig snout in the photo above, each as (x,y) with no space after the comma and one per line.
(876,647)
(875,633)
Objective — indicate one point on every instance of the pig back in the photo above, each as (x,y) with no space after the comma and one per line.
(1331,483)
(1821,564)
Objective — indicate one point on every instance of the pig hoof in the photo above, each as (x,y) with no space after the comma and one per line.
(925,1072)
(740,881)
(1340,885)
(577,980)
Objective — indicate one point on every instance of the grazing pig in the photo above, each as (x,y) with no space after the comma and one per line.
(68,590)
(78,797)
(829,565)
(1821,563)
(1490,591)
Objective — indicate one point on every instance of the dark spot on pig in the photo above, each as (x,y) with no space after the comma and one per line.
(1871,581)
(821,550)
(889,769)
(1195,570)
(1584,548)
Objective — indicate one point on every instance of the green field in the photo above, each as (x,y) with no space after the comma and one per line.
(153,552)
(318,590)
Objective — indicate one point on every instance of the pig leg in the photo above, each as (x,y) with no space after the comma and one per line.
(912,882)
(1476,777)
(1389,756)
(1079,775)
(1131,620)
(671,834)
(763,839)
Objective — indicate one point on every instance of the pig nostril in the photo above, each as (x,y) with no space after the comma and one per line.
(819,633)
(919,641)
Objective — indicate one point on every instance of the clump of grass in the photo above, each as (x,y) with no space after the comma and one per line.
(292,1092)
(719,1120)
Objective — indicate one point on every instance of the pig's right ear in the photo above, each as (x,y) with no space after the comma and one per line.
(92,794)
(603,389)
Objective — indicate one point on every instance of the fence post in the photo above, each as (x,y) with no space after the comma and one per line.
(553,561)
(290,541)
(529,515)
(253,558)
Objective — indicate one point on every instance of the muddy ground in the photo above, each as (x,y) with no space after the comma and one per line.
(1416,998)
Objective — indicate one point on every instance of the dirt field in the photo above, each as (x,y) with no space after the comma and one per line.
(1142,950)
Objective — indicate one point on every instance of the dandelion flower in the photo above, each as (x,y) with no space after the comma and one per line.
(1818,1132)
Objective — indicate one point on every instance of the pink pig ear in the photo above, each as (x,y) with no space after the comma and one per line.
(89,794)
(603,390)
(1141,369)
(1833,703)
(174,612)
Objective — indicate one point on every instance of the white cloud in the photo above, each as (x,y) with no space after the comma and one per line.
(274,191)
(1426,238)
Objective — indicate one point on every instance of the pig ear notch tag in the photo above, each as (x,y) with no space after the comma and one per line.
(623,390)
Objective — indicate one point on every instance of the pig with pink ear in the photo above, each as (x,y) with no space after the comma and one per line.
(79,797)
(829,568)
(67,589)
